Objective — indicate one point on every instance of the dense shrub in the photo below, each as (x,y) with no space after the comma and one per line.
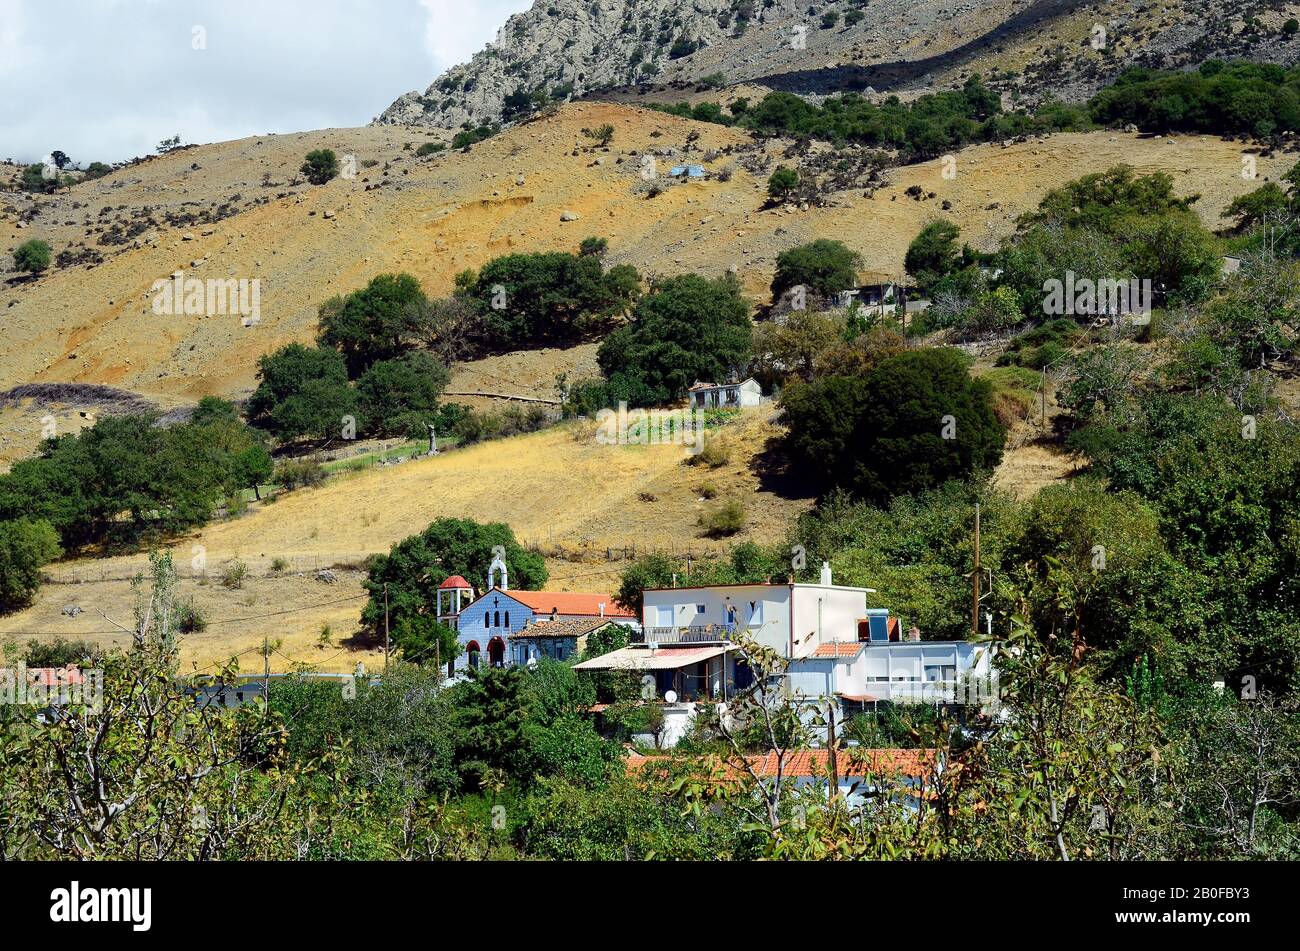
(916,421)
(722,520)
(687,328)
(934,253)
(33,256)
(415,566)
(126,478)
(398,396)
(302,392)
(824,267)
(371,324)
(468,137)
(26,546)
(927,126)
(1219,98)
(299,473)
(549,299)
(320,166)
(781,183)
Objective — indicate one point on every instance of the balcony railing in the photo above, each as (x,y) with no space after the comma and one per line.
(692,634)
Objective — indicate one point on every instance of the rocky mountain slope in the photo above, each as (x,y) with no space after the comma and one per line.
(561,49)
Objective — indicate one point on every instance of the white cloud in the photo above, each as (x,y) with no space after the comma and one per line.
(452,34)
(12,55)
(107,79)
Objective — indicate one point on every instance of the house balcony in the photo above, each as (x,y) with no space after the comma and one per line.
(692,634)
(931,691)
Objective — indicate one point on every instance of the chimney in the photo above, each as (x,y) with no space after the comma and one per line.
(913,633)
(826,573)
(602,609)
(554,612)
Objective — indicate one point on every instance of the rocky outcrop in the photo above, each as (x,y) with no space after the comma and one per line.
(561,49)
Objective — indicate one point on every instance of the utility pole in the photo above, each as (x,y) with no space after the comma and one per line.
(975,579)
(830,744)
(385,627)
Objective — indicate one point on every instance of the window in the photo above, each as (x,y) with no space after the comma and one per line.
(755,613)
(485,619)
(507,619)
(700,609)
(663,616)
(496,618)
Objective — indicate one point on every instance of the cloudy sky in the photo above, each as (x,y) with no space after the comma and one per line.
(108,79)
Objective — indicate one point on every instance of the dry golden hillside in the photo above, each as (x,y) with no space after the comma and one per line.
(559,489)
(436,216)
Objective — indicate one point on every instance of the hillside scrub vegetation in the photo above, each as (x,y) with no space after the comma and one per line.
(548,299)
(824,267)
(1218,98)
(1106,227)
(126,480)
(32,256)
(916,421)
(687,328)
(922,128)
(26,546)
(368,374)
(320,166)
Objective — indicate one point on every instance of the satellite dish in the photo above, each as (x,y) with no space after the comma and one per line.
(670,696)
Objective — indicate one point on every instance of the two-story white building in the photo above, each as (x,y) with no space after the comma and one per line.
(792,619)
(836,648)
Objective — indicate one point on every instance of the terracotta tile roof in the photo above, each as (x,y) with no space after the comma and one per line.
(839,649)
(572,602)
(455,581)
(55,676)
(852,761)
(575,627)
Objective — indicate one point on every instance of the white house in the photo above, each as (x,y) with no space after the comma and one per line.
(726,395)
(836,648)
(864,674)
(790,618)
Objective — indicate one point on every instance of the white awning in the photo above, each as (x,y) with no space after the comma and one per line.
(642,658)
